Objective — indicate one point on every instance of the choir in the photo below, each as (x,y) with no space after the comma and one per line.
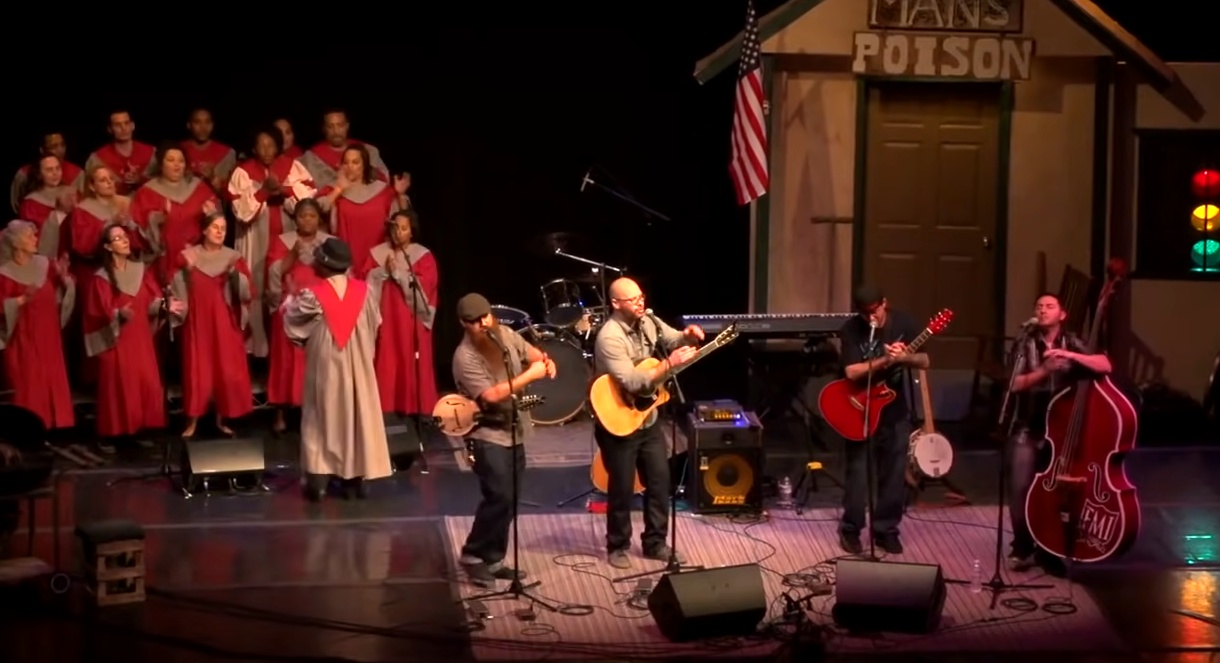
(183,262)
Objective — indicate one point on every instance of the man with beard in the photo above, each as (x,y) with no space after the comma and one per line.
(479,370)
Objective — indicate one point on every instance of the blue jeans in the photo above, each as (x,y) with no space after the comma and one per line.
(645,451)
(1028,454)
(891,444)
(493,465)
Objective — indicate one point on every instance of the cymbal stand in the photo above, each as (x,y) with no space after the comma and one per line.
(600,267)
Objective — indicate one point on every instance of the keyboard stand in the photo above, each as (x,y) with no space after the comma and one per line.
(780,381)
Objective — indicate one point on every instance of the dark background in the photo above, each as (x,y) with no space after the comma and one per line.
(497,120)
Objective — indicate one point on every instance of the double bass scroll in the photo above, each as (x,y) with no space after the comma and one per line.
(1083,508)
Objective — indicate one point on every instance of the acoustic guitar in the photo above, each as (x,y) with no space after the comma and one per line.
(622,413)
(930,453)
(599,476)
(455,415)
(842,401)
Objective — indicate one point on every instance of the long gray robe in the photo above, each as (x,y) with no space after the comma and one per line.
(342,429)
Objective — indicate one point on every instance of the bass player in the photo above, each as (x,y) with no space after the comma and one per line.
(631,335)
(479,372)
(877,336)
(1051,358)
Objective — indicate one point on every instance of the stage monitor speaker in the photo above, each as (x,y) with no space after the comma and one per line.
(224,458)
(726,601)
(725,475)
(888,596)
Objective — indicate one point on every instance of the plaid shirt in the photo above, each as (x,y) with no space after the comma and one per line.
(1034,401)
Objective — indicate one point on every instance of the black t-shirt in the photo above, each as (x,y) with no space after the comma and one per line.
(900,326)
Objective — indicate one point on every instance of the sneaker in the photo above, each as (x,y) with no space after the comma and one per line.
(1020,562)
(850,543)
(502,572)
(618,559)
(889,542)
(480,575)
(662,554)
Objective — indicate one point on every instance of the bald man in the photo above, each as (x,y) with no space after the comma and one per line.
(631,335)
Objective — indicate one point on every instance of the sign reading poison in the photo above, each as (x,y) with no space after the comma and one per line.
(942,56)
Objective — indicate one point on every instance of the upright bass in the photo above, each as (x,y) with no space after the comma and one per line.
(1083,508)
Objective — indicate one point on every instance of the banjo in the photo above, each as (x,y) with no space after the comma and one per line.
(930,454)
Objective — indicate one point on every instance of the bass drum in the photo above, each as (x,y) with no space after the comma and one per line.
(566,395)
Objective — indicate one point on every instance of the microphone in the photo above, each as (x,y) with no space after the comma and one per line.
(1029,325)
(872,332)
(586,181)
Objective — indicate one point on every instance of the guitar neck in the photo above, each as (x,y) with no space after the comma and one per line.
(703,352)
(914,345)
(925,397)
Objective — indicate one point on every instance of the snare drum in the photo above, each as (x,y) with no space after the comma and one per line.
(513,318)
(565,396)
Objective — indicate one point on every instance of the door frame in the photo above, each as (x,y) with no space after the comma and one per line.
(864,84)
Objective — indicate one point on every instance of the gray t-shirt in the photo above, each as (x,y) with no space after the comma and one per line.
(474,374)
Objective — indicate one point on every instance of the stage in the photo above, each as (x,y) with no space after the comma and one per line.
(251,576)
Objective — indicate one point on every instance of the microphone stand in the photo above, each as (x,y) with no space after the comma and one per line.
(516,590)
(417,419)
(868,444)
(997,585)
(648,211)
(672,566)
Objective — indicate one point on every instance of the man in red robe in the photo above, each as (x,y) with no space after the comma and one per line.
(325,158)
(53,143)
(209,160)
(130,160)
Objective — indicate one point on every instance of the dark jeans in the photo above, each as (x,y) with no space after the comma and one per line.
(1028,455)
(891,444)
(643,451)
(493,465)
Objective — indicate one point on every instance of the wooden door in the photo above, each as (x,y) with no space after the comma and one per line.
(932,175)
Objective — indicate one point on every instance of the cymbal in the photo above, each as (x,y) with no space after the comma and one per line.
(545,245)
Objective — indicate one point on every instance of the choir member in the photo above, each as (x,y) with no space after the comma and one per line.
(291,148)
(289,268)
(48,203)
(130,160)
(264,190)
(38,296)
(213,282)
(325,159)
(407,274)
(122,303)
(342,429)
(53,144)
(359,203)
(99,206)
(209,160)
(170,206)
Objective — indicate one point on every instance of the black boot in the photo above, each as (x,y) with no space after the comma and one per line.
(315,487)
(355,489)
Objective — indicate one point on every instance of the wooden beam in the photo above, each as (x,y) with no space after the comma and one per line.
(812,63)
(768,26)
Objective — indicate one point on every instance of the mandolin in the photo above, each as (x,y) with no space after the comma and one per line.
(455,415)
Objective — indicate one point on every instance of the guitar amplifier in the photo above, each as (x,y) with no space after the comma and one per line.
(726,463)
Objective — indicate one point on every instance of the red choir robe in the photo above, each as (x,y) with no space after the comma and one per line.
(359,215)
(286,369)
(171,231)
(41,208)
(72,178)
(260,221)
(142,162)
(83,240)
(129,392)
(219,158)
(294,152)
(323,162)
(33,368)
(214,369)
(404,341)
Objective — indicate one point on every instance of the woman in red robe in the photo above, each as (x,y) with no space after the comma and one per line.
(38,296)
(214,283)
(122,304)
(264,190)
(289,268)
(170,206)
(100,206)
(290,148)
(406,272)
(47,204)
(359,204)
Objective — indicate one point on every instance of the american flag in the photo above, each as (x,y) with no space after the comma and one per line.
(748,165)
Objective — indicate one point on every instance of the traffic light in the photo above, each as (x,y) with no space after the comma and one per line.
(1205,217)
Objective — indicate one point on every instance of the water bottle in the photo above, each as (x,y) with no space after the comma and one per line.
(976,577)
(785,493)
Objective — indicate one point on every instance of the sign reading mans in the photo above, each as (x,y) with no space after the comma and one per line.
(946,15)
(947,56)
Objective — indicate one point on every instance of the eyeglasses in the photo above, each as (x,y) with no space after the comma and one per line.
(629,300)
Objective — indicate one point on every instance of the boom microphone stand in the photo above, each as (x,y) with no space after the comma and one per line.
(413,284)
(673,566)
(515,590)
(997,585)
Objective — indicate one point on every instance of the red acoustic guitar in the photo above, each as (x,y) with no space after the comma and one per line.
(842,401)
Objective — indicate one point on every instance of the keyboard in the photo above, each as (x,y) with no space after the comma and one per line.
(771,325)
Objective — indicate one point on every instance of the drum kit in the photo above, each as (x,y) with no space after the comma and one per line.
(573,310)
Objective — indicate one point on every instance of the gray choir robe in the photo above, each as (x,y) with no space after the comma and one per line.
(33,274)
(403,277)
(342,428)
